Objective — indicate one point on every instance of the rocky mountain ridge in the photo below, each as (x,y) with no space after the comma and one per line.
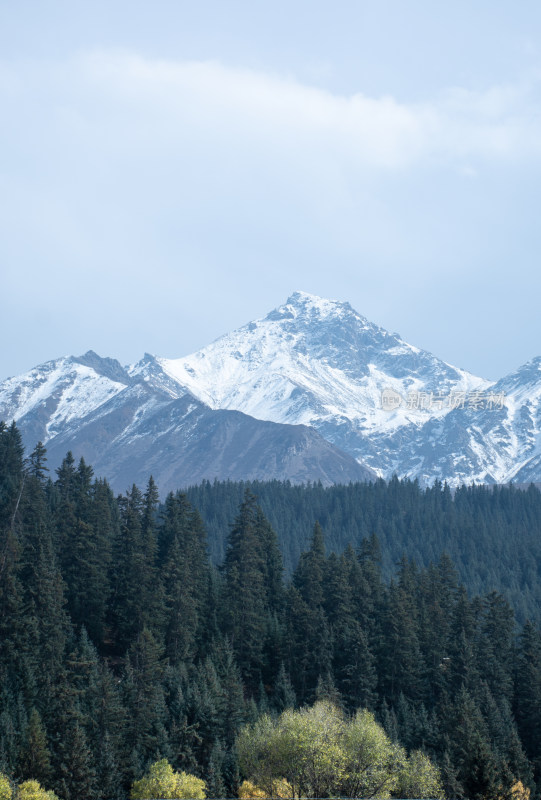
(312,362)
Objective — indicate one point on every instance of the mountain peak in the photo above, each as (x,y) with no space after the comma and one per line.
(300,298)
(318,362)
(303,301)
(311,307)
(106,367)
(314,361)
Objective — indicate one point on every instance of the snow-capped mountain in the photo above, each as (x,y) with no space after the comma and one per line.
(129,430)
(308,360)
(500,443)
(56,396)
(311,366)
(318,362)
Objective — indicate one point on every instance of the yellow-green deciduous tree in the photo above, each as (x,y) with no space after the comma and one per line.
(249,791)
(32,790)
(519,791)
(419,777)
(322,753)
(300,746)
(6,791)
(162,782)
(372,763)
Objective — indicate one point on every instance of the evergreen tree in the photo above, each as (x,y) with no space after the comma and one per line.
(144,697)
(245,595)
(46,624)
(308,632)
(35,757)
(528,692)
(38,458)
(400,663)
(77,774)
(496,648)
(308,577)
(12,474)
(283,695)
(353,662)
(109,777)
(471,753)
(65,509)
(185,579)
(128,570)
(214,775)
(87,552)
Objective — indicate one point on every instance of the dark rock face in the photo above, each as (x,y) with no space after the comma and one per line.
(141,431)
(297,395)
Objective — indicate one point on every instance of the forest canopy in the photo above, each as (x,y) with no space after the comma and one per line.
(123,644)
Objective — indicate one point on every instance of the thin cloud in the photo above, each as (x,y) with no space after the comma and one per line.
(501,122)
(123,175)
(127,104)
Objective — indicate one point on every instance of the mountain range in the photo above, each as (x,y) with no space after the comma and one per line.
(311,392)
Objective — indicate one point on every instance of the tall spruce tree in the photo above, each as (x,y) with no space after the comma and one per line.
(245,592)
(35,756)
(527,699)
(185,579)
(128,610)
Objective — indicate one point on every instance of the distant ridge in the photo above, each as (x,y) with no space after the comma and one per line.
(313,362)
(129,430)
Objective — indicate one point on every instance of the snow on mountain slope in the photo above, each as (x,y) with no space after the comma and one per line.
(60,392)
(311,362)
(129,430)
(316,362)
(506,442)
(496,442)
(181,441)
(149,370)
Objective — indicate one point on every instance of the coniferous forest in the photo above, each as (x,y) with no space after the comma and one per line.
(122,642)
(492,534)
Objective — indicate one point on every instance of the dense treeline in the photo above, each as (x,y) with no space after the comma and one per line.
(121,643)
(492,534)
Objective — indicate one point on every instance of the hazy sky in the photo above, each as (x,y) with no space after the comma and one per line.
(170,170)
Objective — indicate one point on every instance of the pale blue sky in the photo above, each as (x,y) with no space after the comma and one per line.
(170,170)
